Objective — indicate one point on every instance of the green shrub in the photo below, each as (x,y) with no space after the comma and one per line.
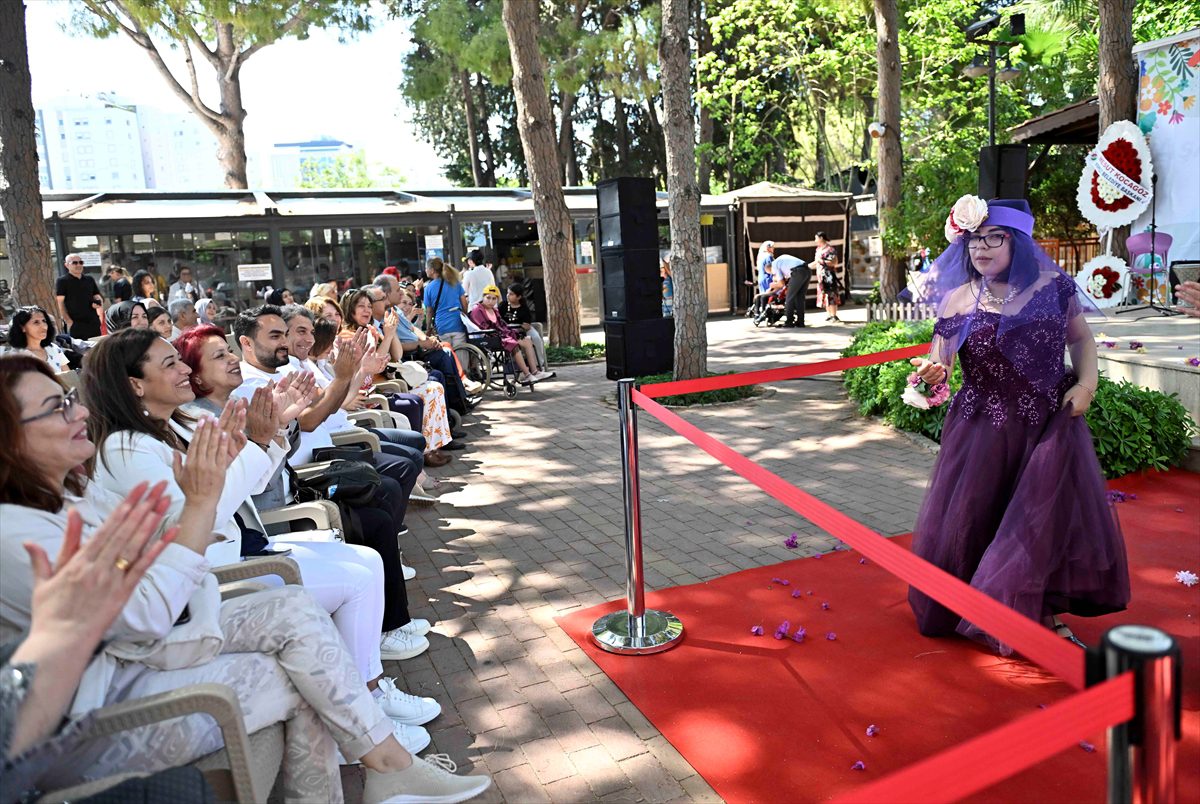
(571,354)
(703,397)
(1133,428)
(875,296)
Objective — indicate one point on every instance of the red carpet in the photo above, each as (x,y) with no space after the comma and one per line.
(772,720)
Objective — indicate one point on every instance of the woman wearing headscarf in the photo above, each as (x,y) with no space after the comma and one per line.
(202,310)
(126,315)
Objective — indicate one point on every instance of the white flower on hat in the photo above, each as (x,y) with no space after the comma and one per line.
(969,212)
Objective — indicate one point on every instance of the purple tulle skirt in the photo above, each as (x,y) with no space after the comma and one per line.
(1020,512)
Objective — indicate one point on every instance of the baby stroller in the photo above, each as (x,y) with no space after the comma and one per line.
(484,359)
(774,305)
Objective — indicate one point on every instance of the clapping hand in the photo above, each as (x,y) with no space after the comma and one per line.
(931,373)
(202,477)
(233,422)
(391,322)
(294,394)
(88,585)
(262,416)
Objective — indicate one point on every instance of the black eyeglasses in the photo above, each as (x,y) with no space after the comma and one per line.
(993,240)
(66,407)
(75,262)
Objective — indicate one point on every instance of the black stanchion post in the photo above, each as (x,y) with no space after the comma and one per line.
(1141,752)
(636,630)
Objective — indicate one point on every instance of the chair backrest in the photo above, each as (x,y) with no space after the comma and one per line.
(468,323)
(1140,243)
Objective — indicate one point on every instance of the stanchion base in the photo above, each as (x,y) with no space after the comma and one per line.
(661,631)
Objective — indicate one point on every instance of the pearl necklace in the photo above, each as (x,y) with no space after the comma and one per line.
(989,298)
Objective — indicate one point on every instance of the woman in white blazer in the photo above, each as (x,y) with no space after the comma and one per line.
(175,630)
(134,386)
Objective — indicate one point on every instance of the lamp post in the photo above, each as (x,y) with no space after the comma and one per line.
(975,33)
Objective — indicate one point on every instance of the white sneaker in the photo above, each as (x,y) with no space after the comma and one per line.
(397,645)
(414,739)
(426,781)
(408,572)
(524,379)
(472,387)
(403,707)
(417,626)
(542,375)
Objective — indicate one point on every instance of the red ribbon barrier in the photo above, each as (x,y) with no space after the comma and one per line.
(959,772)
(1034,641)
(661,389)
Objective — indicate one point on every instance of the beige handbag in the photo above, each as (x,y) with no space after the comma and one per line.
(414,374)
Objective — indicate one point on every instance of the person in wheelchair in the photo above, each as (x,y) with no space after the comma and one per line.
(486,316)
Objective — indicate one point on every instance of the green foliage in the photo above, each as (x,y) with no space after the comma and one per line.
(342,172)
(1135,428)
(571,354)
(703,397)
(876,294)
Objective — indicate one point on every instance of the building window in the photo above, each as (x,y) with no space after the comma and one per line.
(116,175)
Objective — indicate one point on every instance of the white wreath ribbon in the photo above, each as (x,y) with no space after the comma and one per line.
(1115,179)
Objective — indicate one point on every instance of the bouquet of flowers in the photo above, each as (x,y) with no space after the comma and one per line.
(920,394)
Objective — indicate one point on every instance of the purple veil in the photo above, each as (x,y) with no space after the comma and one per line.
(1032,317)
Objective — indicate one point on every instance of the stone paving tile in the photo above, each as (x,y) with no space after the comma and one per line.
(530,526)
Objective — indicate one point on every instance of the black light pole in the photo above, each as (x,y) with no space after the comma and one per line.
(991,93)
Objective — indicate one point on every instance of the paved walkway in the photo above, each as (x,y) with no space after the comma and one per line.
(531,527)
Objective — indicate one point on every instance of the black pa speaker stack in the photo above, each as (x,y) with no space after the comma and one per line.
(637,339)
(1002,170)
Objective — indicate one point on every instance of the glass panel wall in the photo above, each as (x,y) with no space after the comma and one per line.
(587,271)
(350,256)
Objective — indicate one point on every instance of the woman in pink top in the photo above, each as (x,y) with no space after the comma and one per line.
(486,315)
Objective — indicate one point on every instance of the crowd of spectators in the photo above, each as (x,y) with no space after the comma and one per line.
(175,449)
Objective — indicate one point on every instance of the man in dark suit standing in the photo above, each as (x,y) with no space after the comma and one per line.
(797,289)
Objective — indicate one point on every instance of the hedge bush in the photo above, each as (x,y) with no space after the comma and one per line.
(572,354)
(701,397)
(1133,428)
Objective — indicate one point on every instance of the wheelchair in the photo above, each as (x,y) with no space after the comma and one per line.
(485,361)
(774,304)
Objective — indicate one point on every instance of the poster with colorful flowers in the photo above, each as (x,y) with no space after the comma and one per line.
(1168,114)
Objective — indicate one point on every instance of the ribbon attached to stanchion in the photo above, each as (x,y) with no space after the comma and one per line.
(1005,751)
(661,389)
(1033,640)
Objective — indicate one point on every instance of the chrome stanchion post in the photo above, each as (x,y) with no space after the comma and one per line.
(1141,752)
(636,630)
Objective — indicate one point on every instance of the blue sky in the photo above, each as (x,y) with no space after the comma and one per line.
(292,90)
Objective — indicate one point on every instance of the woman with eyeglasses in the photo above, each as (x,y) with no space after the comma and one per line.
(277,649)
(32,331)
(1016,504)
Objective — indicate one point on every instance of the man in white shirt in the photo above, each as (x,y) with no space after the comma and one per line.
(477,277)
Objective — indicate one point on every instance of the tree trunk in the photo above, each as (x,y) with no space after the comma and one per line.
(535,121)
(887,55)
(231,136)
(485,135)
(704,38)
(20,196)
(1118,85)
(567,160)
(657,139)
(687,256)
(822,155)
(864,152)
(472,130)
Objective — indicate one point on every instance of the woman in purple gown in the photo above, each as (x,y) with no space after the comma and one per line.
(1016,504)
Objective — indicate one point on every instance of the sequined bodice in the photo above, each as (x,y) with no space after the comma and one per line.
(1027,377)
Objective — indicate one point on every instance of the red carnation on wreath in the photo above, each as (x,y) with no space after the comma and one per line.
(1109,282)
(1121,154)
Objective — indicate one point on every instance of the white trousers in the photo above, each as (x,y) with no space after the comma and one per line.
(539,347)
(346,580)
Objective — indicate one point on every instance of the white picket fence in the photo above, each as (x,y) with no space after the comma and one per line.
(900,311)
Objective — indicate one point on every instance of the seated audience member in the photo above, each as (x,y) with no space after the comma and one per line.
(267,647)
(486,315)
(262,336)
(280,296)
(160,321)
(434,426)
(517,313)
(145,288)
(126,315)
(184,287)
(320,359)
(205,310)
(32,331)
(324,290)
(325,309)
(445,302)
(183,316)
(416,345)
(349,581)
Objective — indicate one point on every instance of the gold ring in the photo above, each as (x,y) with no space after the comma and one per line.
(122,564)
